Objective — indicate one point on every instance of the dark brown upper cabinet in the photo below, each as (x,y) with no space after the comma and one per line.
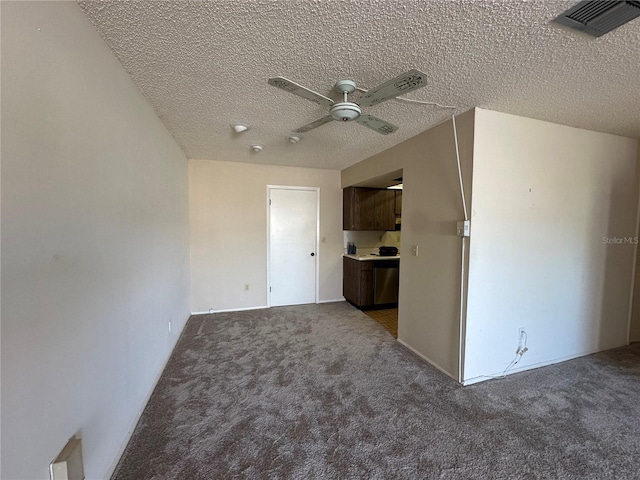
(368,209)
(398,202)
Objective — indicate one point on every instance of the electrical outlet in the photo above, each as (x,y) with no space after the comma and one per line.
(246,287)
(414,250)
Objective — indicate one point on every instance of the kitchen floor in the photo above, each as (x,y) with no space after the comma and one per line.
(387,317)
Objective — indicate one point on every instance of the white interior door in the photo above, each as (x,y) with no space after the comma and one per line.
(293,240)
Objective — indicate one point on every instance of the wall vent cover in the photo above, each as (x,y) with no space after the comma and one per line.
(597,17)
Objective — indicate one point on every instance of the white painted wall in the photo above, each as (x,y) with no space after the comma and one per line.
(429,302)
(94,242)
(228,227)
(544,197)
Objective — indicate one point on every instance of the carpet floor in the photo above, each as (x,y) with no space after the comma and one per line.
(324,392)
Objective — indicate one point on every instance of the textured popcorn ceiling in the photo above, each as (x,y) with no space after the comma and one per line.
(205,64)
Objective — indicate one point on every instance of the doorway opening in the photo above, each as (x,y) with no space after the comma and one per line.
(380,248)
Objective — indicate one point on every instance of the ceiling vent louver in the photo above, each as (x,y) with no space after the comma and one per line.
(597,17)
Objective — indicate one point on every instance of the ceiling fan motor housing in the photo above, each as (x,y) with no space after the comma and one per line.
(345,111)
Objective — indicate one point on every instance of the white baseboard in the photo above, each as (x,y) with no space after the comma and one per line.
(524,368)
(341,299)
(429,361)
(258,308)
(136,419)
(229,310)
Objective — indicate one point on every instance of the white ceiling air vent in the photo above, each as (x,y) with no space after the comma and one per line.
(598,17)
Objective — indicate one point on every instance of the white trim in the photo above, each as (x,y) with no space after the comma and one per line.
(317,244)
(230,310)
(341,299)
(317,256)
(534,366)
(127,438)
(430,362)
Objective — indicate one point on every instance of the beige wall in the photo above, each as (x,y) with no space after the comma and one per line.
(94,242)
(429,302)
(545,199)
(228,226)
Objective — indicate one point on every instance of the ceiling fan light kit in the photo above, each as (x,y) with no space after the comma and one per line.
(346,111)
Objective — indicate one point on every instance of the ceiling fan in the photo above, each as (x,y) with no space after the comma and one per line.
(346,111)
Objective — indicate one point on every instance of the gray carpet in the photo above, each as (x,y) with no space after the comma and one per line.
(323,391)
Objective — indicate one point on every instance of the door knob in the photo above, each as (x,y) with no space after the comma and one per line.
(313,254)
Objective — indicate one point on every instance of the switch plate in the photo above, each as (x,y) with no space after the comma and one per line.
(414,250)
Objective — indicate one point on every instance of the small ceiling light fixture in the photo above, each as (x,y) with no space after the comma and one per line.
(294,138)
(239,127)
(257,148)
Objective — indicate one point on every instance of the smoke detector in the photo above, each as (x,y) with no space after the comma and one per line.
(239,127)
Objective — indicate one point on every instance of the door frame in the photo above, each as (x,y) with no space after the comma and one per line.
(317,233)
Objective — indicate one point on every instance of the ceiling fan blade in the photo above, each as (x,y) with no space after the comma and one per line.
(292,87)
(315,124)
(400,85)
(377,124)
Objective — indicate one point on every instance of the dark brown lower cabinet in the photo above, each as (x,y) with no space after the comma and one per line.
(357,281)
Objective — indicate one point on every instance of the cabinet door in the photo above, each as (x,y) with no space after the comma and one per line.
(348,209)
(365,212)
(357,281)
(366,283)
(398,202)
(350,280)
(385,210)
(368,209)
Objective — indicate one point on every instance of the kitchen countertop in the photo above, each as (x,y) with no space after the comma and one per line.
(363,257)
